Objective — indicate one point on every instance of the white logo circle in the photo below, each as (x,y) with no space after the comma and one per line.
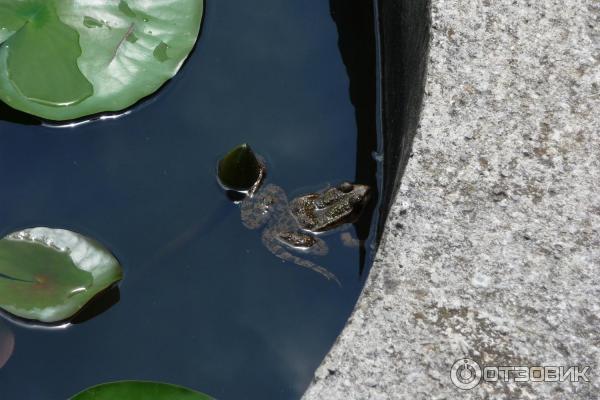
(465,374)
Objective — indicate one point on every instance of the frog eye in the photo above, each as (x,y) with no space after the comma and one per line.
(346,187)
(355,200)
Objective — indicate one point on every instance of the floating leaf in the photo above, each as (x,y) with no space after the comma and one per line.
(65,59)
(7,344)
(240,169)
(48,275)
(136,390)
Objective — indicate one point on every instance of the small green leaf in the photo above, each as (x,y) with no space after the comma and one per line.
(240,170)
(48,275)
(137,390)
(63,60)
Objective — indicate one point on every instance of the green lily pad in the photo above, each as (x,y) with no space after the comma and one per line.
(136,390)
(48,275)
(240,170)
(66,59)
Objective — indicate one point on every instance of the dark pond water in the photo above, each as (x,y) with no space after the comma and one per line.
(203,304)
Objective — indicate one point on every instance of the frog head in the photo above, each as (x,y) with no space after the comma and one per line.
(335,206)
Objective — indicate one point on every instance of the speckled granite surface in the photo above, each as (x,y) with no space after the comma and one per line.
(492,250)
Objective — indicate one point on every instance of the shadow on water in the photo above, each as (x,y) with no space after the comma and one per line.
(16,117)
(99,304)
(404,34)
(357,44)
(9,114)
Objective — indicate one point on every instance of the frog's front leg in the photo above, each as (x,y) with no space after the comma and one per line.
(272,241)
(304,242)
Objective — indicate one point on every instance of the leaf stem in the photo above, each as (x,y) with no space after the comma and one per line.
(123,39)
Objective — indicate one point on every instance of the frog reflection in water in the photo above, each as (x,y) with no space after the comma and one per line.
(294,226)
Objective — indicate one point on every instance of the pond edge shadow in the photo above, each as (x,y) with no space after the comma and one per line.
(404,37)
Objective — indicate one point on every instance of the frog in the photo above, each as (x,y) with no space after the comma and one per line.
(293,228)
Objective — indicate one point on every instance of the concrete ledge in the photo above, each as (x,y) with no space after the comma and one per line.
(492,248)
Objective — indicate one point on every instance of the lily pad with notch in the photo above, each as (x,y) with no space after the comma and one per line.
(49,275)
(63,60)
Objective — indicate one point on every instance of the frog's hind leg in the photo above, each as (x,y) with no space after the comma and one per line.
(257,210)
(320,248)
(276,246)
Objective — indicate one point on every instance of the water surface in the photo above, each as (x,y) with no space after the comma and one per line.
(203,304)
